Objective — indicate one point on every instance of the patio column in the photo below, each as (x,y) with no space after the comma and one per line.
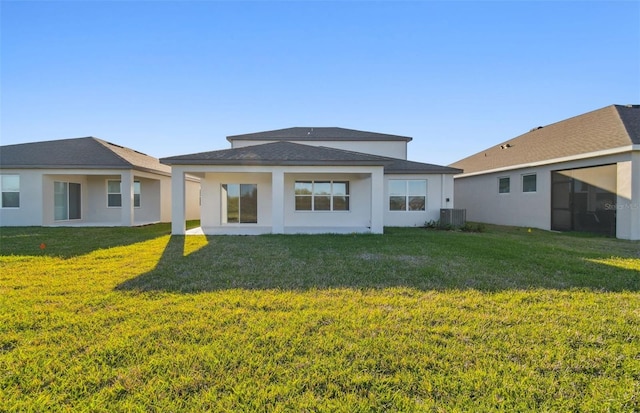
(628,200)
(178,194)
(277,201)
(126,209)
(377,200)
(635,195)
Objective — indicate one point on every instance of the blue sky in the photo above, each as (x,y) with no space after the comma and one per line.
(170,78)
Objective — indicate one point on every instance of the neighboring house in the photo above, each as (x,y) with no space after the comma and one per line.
(580,174)
(311,180)
(85,182)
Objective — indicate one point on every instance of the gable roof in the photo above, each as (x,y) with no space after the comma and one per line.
(611,127)
(289,153)
(318,134)
(77,153)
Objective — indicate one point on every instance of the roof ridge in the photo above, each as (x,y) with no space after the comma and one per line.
(105,143)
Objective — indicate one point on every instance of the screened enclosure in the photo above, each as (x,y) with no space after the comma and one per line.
(584,199)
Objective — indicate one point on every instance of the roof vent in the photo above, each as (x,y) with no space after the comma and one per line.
(536,128)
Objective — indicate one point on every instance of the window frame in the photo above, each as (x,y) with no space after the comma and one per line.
(67,196)
(137,193)
(500,179)
(224,189)
(535,183)
(3,191)
(408,194)
(332,195)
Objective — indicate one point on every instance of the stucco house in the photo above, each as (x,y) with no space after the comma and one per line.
(311,180)
(85,182)
(579,174)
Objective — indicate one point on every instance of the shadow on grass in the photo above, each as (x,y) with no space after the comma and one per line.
(436,262)
(69,242)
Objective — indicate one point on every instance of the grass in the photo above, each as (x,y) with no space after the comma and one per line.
(132,319)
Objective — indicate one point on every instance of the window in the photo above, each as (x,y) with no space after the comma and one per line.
(322,195)
(66,201)
(407,195)
(136,194)
(240,203)
(504,185)
(114,193)
(529,183)
(10,191)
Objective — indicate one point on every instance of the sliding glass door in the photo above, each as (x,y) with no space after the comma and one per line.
(66,201)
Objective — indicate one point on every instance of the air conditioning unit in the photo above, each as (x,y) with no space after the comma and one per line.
(453,217)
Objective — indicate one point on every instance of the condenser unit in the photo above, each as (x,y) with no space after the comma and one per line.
(453,217)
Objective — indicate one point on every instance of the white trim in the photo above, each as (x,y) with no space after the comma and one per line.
(578,157)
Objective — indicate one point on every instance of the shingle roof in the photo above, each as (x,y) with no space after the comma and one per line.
(318,134)
(77,153)
(289,153)
(611,127)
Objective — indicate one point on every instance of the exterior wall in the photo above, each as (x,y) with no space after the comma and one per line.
(628,201)
(478,194)
(47,198)
(276,201)
(192,194)
(37,198)
(211,210)
(439,189)
(31,201)
(359,214)
(393,149)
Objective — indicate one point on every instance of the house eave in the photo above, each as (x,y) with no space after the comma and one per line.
(588,155)
(422,172)
(85,167)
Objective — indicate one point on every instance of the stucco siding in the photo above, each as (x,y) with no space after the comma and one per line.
(212,202)
(29,213)
(37,198)
(479,195)
(628,199)
(393,149)
(439,188)
(358,215)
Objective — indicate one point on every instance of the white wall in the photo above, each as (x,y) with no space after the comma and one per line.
(478,194)
(30,211)
(37,200)
(213,176)
(439,188)
(628,200)
(393,149)
(192,194)
(359,214)
(211,212)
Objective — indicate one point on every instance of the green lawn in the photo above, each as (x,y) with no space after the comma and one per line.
(107,320)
